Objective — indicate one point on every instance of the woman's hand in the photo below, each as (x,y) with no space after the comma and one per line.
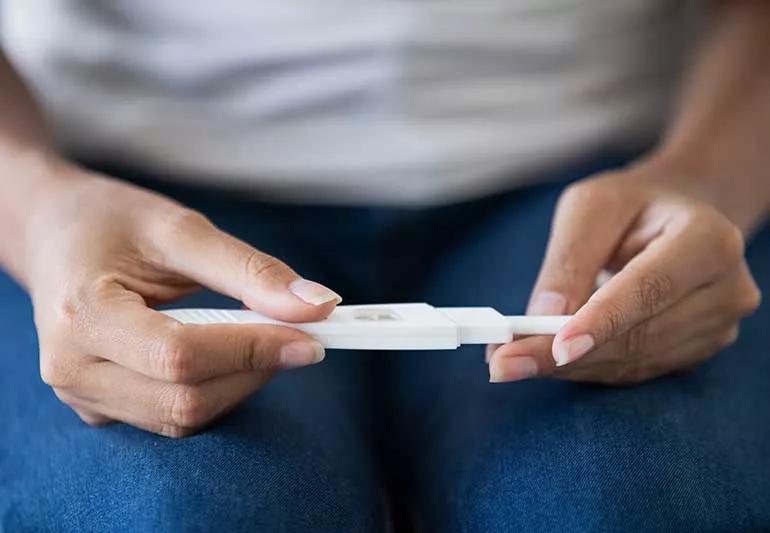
(100,254)
(679,284)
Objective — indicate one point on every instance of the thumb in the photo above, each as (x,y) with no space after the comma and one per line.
(591,218)
(193,247)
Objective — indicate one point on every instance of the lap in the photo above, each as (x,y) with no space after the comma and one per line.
(682,452)
(295,457)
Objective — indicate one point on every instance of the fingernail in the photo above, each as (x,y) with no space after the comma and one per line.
(570,350)
(512,369)
(301,353)
(548,303)
(312,292)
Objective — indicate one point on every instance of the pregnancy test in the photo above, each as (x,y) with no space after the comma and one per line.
(412,326)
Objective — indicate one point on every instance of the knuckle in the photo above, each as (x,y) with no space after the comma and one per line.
(251,356)
(576,194)
(188,408)
(726,240)
(259,265)
(64,396)
(71,315)
(169,227)
(731,243)
(613,319)
(182,220)
(55,371)
(653,291)
(49,371)
(749,301)
(581,192)
(601,189)
(729,337)
(174,356)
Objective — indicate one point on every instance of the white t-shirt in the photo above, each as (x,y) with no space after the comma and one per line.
(351,101)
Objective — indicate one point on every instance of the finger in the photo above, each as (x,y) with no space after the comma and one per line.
(151,343)
(86,414)
(190,245)
(682,357)
(590,220)
(707,318)
(522,359)
(691,252)
(648,225)
(710,309)
(489,350)
(92,418)
(165,408)
(579,246)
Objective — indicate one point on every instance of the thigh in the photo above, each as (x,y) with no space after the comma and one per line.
(295,457)
(686,452)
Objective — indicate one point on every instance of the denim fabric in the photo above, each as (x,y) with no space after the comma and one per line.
(688,452)
(422,438)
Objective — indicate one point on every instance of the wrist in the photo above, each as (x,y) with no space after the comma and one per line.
(30,178)
(740,193)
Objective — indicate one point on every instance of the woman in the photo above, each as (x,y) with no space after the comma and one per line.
(388,151)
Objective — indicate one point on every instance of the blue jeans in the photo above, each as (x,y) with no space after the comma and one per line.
(368,440)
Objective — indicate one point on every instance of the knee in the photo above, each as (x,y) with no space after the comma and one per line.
(595,486)
(219,482)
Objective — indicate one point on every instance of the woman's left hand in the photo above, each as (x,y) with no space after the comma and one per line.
(678,289)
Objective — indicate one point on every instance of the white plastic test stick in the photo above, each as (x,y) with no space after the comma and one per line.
(415,326)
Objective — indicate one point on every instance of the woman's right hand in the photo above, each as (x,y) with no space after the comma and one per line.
(100,254)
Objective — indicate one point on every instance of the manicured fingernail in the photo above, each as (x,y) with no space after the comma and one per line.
(570,350)
(512,369)
(548,303)
(312,292)
(301,353)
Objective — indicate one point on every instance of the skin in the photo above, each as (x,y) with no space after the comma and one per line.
(96,255)
(679,289)
(668,231)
